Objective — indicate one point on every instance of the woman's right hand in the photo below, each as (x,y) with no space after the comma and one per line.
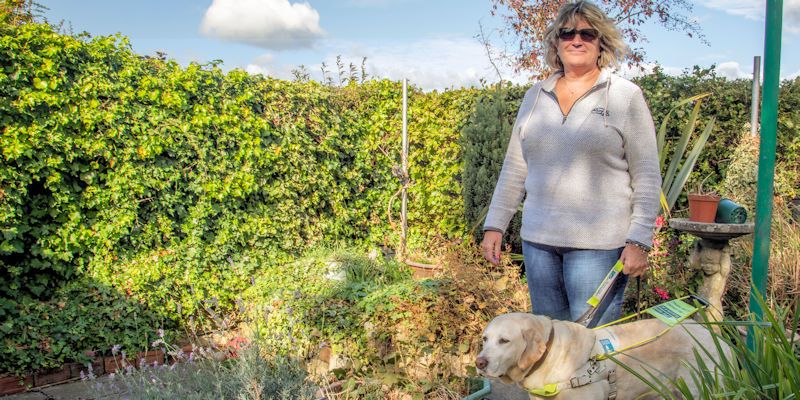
(491,246)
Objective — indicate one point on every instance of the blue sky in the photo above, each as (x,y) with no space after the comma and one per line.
(430,42)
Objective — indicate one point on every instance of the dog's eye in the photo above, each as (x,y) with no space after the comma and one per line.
(485,338)
(503,341)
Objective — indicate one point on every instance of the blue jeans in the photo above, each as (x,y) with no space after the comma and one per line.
(561,280)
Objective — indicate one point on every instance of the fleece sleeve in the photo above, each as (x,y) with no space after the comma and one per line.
(510,188)
(642,154)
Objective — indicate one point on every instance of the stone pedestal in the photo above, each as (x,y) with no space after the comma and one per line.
(712,255)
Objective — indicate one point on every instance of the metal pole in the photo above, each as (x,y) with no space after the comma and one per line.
(756,93)
(766,156)
(405,171)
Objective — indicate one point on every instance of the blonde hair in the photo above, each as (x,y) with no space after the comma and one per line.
(612,47)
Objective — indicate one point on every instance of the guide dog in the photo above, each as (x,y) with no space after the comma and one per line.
(558,359)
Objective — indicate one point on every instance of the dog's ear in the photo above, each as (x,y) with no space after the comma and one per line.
(535,332)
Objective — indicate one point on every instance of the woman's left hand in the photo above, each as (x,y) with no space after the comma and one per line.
(634,261)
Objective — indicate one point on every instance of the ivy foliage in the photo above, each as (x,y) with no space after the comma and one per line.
(109,158)
(81,320)
(177,185)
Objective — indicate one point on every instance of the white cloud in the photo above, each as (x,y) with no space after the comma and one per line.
(755,9)
(267,66)
(375,3)
(430,64)
(270,24)
(629,71)
(265,58)
(732,70)
(255,69)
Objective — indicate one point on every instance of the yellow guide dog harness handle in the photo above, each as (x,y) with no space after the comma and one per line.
(600,294)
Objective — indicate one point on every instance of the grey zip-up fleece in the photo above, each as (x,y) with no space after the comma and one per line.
(591,176)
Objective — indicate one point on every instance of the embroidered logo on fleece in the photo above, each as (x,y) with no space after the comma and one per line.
(601,111)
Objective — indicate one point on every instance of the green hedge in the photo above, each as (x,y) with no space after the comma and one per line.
(177,185)
(108,156)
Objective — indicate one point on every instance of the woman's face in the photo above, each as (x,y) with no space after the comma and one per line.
(577,52)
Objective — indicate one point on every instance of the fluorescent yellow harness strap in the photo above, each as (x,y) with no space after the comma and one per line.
(546,391)
(671,313)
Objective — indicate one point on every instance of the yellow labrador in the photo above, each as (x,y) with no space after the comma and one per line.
(546,356)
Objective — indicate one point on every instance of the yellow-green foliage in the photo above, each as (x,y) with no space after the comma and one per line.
(741,177)
(175,185)
(111,159)
(412,336)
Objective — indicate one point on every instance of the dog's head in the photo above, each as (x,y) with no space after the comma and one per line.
(512,343)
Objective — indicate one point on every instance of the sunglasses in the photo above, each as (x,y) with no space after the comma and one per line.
(587,35)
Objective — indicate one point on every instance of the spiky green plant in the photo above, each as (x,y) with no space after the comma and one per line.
(767,368)
(679,169)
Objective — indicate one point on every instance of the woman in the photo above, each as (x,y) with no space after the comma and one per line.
(583,147)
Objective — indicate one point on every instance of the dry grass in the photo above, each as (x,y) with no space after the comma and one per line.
(423,342)
(783,283)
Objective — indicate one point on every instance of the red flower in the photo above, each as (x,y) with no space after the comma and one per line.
(661,293)
(661,221)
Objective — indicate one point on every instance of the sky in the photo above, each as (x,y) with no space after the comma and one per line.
(432,43)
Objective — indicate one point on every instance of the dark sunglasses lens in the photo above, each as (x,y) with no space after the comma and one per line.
(588,35)
(566,34)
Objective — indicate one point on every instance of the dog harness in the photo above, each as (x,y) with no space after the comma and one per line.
(594,370)
(599,368)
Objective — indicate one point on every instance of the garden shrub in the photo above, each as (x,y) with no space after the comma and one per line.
(414,336)
(82,319)
(729,103)
(485,139)
(176,184)
(252,374)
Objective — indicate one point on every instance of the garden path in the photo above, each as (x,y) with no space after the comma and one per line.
(67,391)
(501,391)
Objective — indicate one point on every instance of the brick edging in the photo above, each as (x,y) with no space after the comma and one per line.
(12,384)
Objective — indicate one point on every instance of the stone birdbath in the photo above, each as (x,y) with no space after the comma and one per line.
(712,255)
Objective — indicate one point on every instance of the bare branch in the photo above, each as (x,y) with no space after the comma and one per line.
(527,21)
(488,48)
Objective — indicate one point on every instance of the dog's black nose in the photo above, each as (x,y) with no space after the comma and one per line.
(481,363)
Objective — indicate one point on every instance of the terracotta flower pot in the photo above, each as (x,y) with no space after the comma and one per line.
(703,207)
(422,270)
